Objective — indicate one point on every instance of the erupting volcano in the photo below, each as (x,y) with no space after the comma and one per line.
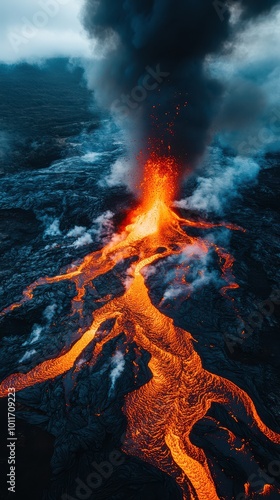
(162,413)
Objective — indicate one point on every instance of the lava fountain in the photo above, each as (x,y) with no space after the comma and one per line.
(180,391)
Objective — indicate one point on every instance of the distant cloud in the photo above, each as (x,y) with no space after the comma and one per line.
(31,30)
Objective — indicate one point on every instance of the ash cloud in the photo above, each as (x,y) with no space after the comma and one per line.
(256,7)
(248,121)
(164,43)
(196,273)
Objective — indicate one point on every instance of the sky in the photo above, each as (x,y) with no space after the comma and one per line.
(39,29)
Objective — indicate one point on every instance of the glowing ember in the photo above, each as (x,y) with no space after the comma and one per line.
(181,391)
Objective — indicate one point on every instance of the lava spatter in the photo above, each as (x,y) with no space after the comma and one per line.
(181,391)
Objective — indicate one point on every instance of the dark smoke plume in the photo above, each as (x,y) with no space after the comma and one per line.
(153,73)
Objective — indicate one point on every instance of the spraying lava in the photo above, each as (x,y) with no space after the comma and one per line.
(180,391)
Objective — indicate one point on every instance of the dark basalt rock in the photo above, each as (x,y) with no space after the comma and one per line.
(18,227)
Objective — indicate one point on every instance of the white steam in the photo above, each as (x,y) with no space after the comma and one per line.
(103,226)
(53,228)
(101,230)
(119,175)
(34,335)
(118,365)
(27,355)
(187,272)
(35,29)
(49,313)
(76,232)
(86,239)
(221,186)
(37,329)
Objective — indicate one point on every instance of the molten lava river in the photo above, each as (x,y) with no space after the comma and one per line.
(180,391)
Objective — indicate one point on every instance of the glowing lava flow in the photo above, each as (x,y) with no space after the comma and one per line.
(162,413)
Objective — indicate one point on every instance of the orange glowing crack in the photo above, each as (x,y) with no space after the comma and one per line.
(162,413)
